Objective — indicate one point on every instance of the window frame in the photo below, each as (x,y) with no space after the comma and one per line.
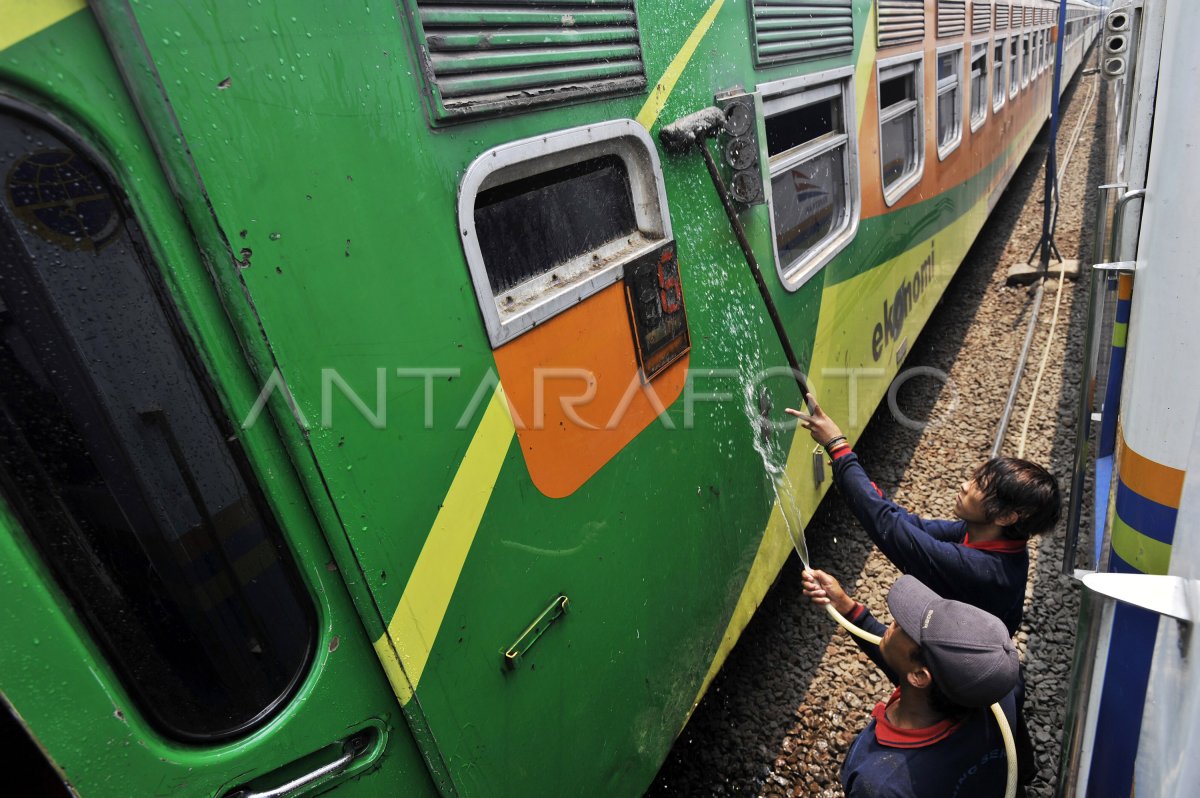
(943,86)
(1026,59)
(999,98)
(781,96)
(886,69)
(1014,65)
(976,124)
(529,157)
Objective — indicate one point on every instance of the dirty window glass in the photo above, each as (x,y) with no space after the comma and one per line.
(1014,71)
(529,226)
(900,126)
(117,464)
(814,202)
(998,75)
(949,101)
(979,84)
(810,203)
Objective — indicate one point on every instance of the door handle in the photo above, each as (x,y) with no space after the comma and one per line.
(353,747)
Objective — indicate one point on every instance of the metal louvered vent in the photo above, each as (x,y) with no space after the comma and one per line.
(901,21)
(981,17)
(951,18)
(788,30)
(494,56)
(1028,17)
(1001,16)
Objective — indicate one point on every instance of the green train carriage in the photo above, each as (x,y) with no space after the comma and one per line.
(381,403)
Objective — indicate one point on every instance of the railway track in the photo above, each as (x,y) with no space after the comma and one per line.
(778,720)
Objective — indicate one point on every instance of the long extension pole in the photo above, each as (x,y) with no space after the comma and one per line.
(752,262)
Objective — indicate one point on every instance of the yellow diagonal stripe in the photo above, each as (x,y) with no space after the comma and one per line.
(20,19)
(662,90)
(864,70)
(415,624)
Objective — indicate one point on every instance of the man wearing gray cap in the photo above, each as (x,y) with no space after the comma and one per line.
(934,737)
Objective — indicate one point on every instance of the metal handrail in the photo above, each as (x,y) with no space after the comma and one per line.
(1119,217)
(1091,348)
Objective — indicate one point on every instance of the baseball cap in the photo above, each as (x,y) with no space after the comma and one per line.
(968,650)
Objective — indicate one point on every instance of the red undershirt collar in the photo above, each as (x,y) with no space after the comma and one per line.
(1002,545)
(895,737)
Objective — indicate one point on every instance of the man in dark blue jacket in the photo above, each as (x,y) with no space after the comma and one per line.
(934,738)
(980,558)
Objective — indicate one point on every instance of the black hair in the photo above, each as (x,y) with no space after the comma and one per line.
(938,701)
(1012,485)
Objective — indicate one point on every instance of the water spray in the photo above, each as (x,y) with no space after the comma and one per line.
(694,130)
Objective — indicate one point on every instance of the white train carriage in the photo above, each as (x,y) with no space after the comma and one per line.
(1134,718)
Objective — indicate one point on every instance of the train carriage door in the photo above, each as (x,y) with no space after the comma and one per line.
(170,626)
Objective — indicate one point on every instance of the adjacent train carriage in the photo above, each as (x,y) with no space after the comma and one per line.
(381,403)
(1132,723)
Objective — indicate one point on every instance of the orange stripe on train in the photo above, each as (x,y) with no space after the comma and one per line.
(1155,481)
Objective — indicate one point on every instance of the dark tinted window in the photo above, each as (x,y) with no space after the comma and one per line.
(800,125)
(120,468)
(895,90)
(527,227)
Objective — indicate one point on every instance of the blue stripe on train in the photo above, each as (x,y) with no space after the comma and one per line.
(1129,655)
(1123,306)
(1117,565)
(1107,441)
(1154,520)
(1103,480)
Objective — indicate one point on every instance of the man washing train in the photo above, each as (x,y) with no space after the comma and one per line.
(933,738)
(980,557)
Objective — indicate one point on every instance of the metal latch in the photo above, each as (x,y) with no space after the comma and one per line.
(557,608)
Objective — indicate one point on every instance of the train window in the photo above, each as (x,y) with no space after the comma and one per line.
(949,100)
(812,155)
(979,84)
(1026,60)
(119,464)
(998,75)
(548,221)
(901,124)
(1014,68)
